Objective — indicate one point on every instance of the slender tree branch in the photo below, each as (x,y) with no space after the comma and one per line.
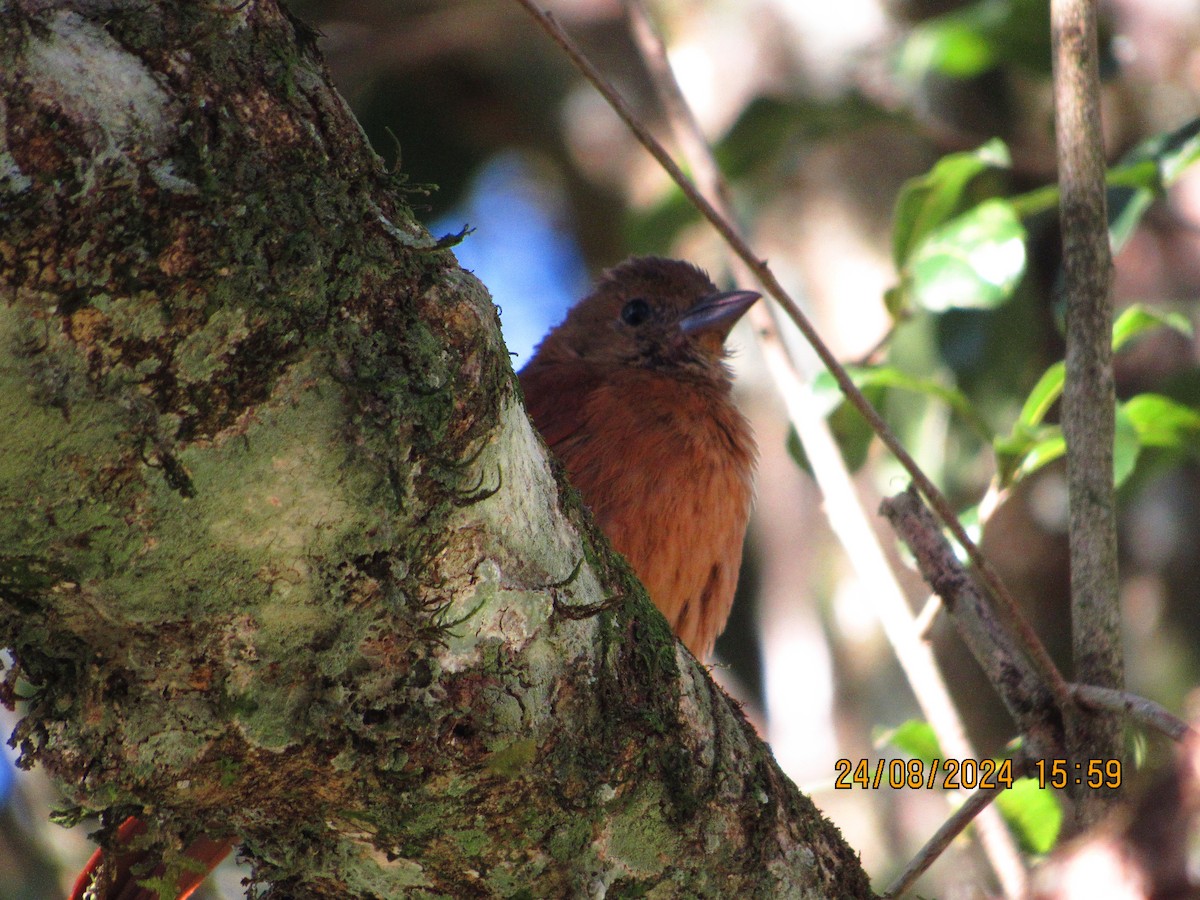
(1037,652)
(1145,712)
(847,516)
(1002,662)
(693,143)
(918,528)
(1088,399)
(945,574)
(975,804)
(990,641)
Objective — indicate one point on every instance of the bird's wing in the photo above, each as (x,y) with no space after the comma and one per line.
(555,398)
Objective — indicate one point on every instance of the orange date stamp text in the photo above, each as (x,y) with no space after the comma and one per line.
(948,774)
(972,774)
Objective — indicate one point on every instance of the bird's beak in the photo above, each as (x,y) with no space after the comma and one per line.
(717,313)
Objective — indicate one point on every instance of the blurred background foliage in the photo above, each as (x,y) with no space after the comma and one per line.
(891,158)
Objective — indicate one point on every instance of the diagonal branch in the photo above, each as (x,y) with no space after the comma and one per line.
(1002,659)
(1004,665)
(947,577)
(1145,712)
(976,804)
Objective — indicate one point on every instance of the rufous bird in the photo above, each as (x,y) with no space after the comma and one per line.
(632,393)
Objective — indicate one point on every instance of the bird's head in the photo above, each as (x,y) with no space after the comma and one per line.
(651,313)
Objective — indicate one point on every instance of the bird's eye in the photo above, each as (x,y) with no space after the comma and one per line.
(635,312)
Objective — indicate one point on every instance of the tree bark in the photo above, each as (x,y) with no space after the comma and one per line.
(1089,396)
(280,555)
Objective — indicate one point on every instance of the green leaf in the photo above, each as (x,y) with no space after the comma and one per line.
(974,261)
(968,41)
(1126,206)
(1010,450)
(1126,447)
(1133,185)
(1043,452)
(1132,322)
(930,200)
(1138,319)
(1176,151)
(1159,421)
(948,45)
(1146,420)
(1023,452)
(915,737)
(1033,813)
(1155,421)
(1171,152)
(1144,174)
(1048,389)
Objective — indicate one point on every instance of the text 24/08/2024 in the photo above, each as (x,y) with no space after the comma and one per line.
(971,774)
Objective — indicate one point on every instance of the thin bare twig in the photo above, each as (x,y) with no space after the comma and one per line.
(1089,399)
(692,142)
(918,528)
(1035,649)
(1003,661)
(1145,712)
(936,845)
(843,507)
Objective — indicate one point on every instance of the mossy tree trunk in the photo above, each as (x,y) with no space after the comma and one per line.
(280,556)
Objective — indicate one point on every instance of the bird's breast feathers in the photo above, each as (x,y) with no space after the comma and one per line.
(666,466)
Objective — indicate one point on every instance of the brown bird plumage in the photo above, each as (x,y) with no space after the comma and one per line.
(632,393)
